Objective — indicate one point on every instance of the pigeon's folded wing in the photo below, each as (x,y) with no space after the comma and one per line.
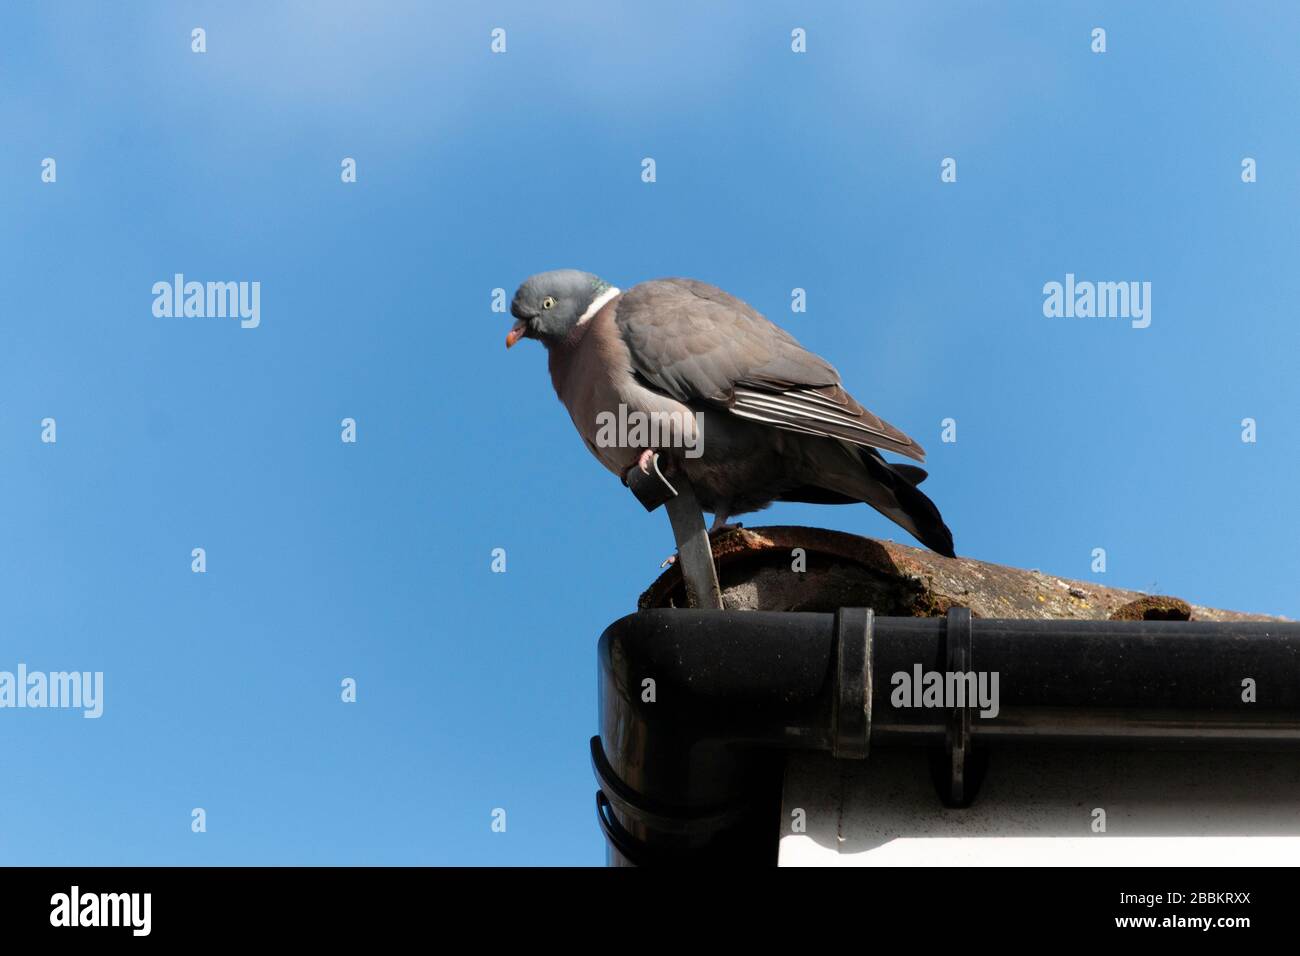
(696,343)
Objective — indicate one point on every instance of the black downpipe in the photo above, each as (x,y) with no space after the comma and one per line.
(697,708)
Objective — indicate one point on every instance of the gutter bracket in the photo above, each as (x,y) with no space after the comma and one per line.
(694,548)
(616,799)
(851,713)
(959,769)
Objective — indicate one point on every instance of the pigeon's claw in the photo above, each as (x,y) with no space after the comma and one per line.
(645,463)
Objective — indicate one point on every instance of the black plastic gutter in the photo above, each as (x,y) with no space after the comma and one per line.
(699,709)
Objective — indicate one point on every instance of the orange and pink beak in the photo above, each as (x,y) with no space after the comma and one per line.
(516,333)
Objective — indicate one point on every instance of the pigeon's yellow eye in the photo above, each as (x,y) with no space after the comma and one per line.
(548,302)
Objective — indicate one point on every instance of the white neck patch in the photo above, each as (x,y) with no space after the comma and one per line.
(601,301)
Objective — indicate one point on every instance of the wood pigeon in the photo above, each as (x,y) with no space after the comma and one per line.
(757,417)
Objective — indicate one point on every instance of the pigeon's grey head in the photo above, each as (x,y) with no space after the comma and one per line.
(549,304)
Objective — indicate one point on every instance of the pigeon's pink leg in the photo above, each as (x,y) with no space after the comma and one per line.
(720,520)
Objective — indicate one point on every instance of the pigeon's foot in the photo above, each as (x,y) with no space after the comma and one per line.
(645,463)
(721,512)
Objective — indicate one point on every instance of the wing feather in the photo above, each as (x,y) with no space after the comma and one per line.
(696,343)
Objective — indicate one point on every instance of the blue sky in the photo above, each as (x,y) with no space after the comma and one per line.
(371,560)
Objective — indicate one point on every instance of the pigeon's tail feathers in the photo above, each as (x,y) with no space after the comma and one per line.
(896,496)
(912,473)
(840,472)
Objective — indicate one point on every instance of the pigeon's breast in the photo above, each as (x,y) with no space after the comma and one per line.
(612,411)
